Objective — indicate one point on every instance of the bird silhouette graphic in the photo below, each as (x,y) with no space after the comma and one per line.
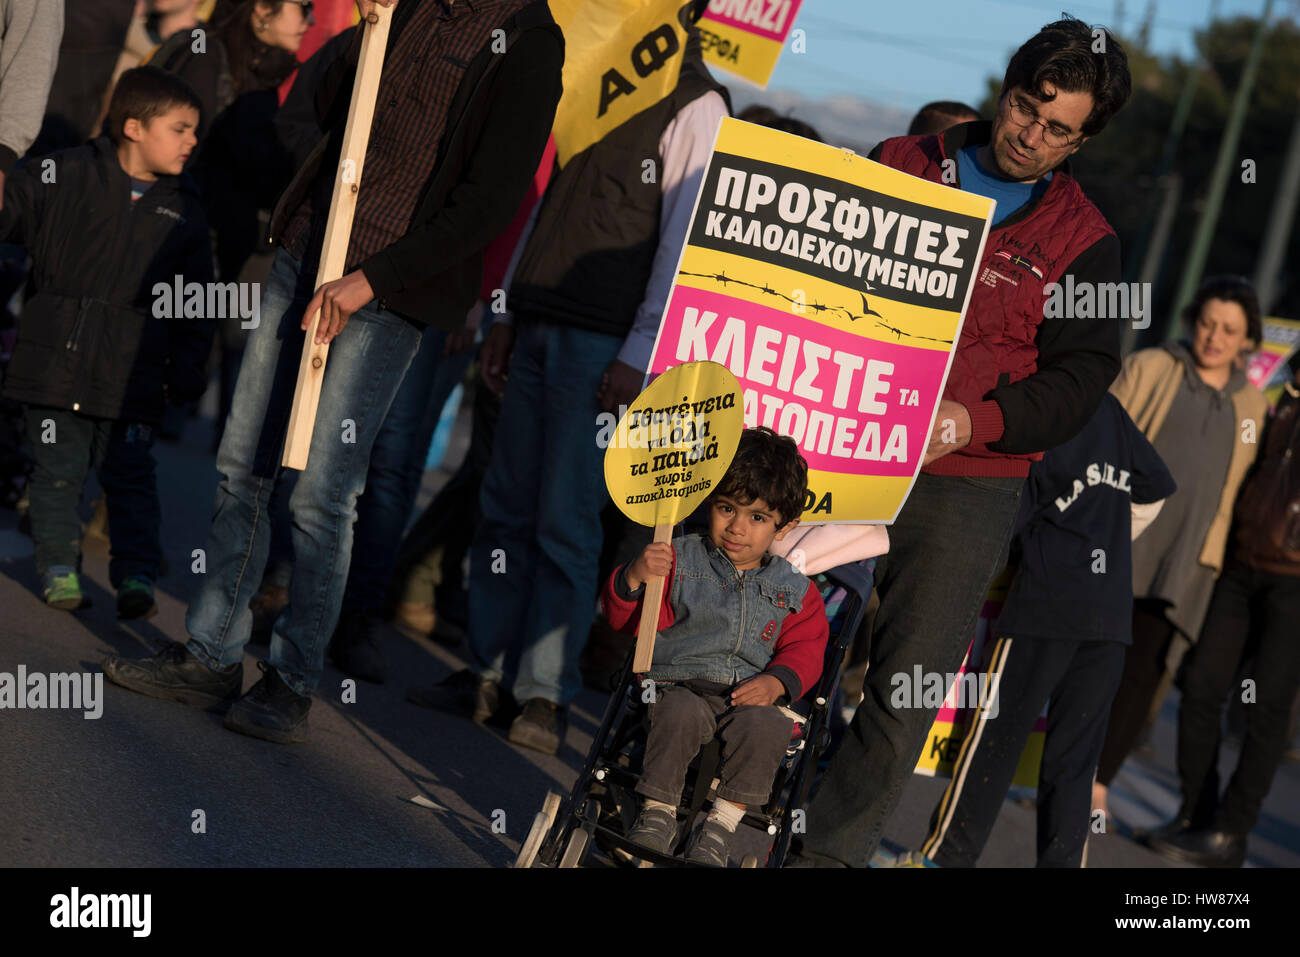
(867,308)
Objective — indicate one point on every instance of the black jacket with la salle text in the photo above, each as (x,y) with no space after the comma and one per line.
(88,340)
(1074,532)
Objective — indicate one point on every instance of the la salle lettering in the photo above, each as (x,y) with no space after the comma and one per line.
(1097,474)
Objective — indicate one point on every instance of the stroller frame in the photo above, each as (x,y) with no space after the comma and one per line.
(601,806)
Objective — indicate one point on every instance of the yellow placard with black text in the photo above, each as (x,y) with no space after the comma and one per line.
(674,444)
(620,57)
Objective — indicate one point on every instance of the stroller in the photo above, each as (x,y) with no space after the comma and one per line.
(602,807)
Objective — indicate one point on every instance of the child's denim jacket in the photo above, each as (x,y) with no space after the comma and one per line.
(725,622)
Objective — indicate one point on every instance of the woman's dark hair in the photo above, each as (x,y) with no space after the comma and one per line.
(1062,54)
(1229,288)
(254,65)
(144,93)
(767,466)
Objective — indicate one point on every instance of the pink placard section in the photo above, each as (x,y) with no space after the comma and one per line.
(765,18)
(1261,368)
(840,396)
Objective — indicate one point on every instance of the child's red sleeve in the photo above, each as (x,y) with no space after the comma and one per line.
(622,607)
(801,646)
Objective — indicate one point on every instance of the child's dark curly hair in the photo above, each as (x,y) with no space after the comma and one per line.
(767,466)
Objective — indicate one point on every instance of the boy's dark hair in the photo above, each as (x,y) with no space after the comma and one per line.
(1061,54)
(1229,288)
(767,466)
(762,115)
(938,116)
(144,93)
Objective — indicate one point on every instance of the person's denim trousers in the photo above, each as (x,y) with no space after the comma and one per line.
(364,370)
(396,467)
(947,545)
(533,562)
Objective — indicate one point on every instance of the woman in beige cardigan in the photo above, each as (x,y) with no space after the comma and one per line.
(1192,401)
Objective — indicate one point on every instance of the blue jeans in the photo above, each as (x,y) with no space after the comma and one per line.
(533,563)
(396,466)
(365,367)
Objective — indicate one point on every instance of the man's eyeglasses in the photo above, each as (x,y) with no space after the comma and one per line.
(1054,134)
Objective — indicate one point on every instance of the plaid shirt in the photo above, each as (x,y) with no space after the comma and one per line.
(423,68)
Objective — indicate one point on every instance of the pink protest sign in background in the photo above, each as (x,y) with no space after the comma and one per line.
(771,19)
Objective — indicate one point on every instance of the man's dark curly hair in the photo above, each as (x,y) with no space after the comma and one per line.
(767,466)
(1062,54)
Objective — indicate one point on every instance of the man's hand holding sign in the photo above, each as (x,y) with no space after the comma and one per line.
(673,445)
(951,430)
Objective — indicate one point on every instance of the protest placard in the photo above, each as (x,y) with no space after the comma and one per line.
(1268,369)
(620,57)
(670,449)
(834,289)
(745,37)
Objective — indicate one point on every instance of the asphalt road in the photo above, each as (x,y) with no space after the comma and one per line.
(381,782)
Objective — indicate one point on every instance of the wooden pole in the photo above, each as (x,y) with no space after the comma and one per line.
(338,230)
(654,596)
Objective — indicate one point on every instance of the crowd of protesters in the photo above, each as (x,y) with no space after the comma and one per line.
(202,139)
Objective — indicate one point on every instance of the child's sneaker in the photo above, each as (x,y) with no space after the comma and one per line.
(135,598)
(655,829)
(63,589)
(711,846)
(909,859)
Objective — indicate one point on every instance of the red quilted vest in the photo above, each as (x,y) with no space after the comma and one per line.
(1022,255)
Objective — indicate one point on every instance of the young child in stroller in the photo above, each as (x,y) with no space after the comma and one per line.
(741,631)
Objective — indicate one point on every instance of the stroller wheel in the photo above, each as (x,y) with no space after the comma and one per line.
(537,833)
(576,851)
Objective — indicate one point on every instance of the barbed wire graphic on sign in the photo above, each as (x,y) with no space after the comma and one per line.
(853,316)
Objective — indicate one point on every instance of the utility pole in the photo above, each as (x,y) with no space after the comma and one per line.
(1149,246)
(1200,248)
(1278,234)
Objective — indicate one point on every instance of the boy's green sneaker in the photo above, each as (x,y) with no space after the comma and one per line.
(63,589)
(135,598)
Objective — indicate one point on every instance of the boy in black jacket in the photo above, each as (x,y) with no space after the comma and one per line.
(104,223)
(1062,634)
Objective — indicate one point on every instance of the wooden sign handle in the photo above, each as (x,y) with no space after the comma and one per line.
(338,230)
(649,627)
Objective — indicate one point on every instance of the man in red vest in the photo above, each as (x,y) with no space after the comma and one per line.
(1030,369)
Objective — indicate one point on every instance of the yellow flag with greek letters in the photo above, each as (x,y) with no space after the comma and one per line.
(621,57)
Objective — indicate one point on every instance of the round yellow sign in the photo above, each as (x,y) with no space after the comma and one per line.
(675,443)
